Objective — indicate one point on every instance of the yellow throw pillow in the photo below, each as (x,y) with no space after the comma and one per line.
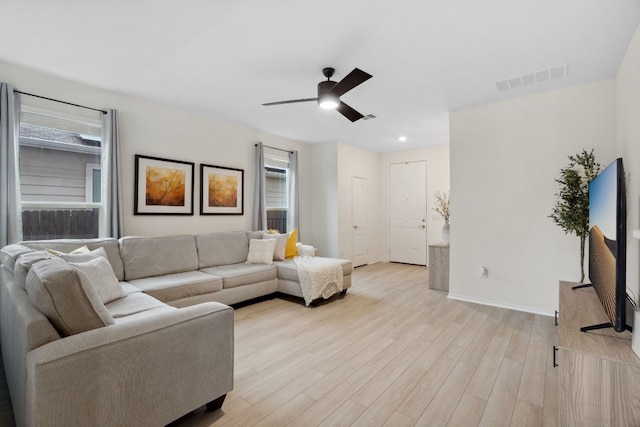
(292,250)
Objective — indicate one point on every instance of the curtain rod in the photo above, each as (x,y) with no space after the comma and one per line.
(274,148)
(61,102)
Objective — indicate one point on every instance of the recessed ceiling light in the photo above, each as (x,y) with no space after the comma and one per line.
(402,138)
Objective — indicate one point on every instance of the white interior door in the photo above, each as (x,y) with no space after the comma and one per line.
(408,212)
(360,221)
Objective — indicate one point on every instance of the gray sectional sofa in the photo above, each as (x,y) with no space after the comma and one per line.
(161,349)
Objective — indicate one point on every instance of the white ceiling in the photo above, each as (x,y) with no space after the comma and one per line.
(224,58)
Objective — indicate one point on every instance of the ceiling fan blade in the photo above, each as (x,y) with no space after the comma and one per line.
(349,112)
(353,79)
(292,101)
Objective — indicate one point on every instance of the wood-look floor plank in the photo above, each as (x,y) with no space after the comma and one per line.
(400,420)
(344,416)
(421,395)
(526,414)
(379,411)
(330,402)
(499,409)
(468,412)
(445,401)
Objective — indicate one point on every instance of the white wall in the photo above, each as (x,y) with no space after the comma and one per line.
(155,130)
(504,159)
(324,199)
(628,110)
(356,162)
(437,159)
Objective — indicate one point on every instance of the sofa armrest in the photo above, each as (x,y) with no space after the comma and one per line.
(147,372)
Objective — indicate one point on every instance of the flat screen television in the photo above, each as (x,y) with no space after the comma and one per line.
(608,244)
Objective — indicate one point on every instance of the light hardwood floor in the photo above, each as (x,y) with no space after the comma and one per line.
(390,353)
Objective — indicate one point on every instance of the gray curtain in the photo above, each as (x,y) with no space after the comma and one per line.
(112,175)
(293,211)
(259,194)
(10,210)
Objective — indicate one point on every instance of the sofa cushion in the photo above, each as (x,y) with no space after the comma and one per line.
(156,256)
(101,275)
(24,263)
(171,287)
(287,269)
(10,254)
(129,288)
(132,304)
(281,245)
(109,244)
(261,251)
(66,296)
(242,274)
(222,248)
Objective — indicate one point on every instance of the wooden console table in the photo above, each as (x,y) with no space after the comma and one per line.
(439,267)
(598,372)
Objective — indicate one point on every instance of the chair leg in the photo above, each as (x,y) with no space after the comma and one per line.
(216,404)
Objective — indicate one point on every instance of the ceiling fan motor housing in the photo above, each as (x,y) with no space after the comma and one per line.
(326,99)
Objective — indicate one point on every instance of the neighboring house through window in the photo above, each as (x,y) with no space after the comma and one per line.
(60,172)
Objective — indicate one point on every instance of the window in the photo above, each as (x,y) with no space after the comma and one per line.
(60,172)
(277,191)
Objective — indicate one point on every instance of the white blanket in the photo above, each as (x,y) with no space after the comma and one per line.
(319,277)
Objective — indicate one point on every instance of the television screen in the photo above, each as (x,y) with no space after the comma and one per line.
(607,243)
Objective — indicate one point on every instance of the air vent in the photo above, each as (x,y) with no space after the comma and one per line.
(369,117)
(532,79)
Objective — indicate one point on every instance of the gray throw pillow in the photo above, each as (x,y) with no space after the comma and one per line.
(70,302)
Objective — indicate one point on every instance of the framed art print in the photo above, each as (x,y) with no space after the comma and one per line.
(221,190)
(163,186)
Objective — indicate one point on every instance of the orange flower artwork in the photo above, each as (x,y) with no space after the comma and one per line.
(165,187)
(223,191)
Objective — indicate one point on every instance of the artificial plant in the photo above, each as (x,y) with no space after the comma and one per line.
(571,211)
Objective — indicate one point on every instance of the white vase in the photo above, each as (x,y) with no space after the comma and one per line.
(445,233)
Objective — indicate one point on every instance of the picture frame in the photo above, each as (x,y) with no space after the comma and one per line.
(163,186)
(221,190)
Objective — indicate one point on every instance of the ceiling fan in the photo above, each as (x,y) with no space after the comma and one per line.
(329,92)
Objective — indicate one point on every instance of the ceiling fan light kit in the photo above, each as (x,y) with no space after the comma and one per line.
(329,93)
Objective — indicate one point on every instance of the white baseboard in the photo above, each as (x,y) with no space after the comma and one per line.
(503,305)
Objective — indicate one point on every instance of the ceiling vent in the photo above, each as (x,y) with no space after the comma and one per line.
(533,78)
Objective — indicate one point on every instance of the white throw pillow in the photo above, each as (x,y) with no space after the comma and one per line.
(82,256)
(261,251)
(100,275)
(281,245)
(80,250)
(305,250)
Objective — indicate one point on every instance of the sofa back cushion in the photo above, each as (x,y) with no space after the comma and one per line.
(66,296)
(222,248)
(10,253)
(156,256)
(24,263)
(110,246)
